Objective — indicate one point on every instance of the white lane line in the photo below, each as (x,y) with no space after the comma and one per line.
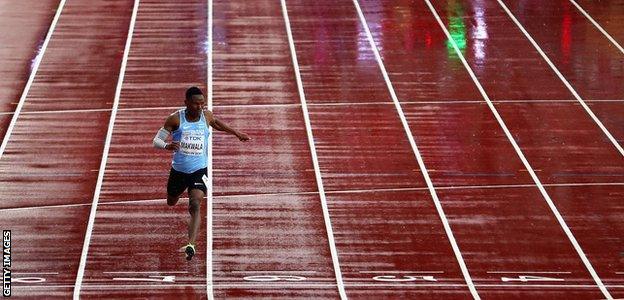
(109,135)
(146,272)
(526,272)
(598,26)
(132,202)
(35,273)
(282,105)
(450,187)
(563,79)
(451,102)
(421,163)
(64,111)
(529,168)
(401,272)
(153,278)
(44,207)
(464,187)
(209,193)
(585,286)
(272,271)
(31,78)
(511,101)
(317,169)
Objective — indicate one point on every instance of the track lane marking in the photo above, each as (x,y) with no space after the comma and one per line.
(31,78)
(209,193)
(109,135)
(317,169)
(145,272)
(401,272)
(130,202)
(604,32)
(519,152)
(565,82)
(280,105)
(313,285)
(527,272)
(272,271)
(419,159)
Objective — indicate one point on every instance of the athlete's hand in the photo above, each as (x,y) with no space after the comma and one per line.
(173,146)
(243,137)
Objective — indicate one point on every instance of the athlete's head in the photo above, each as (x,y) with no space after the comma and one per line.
(194,100)
(193,91)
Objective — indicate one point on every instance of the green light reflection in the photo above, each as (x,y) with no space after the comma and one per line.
(457,29)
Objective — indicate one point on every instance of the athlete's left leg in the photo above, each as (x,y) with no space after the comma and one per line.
(195,198)
(175,186)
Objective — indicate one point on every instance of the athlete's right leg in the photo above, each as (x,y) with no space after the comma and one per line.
(195,198)
(172,200)
(197,192)
(175,186)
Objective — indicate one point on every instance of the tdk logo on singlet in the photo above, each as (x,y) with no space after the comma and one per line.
(192,142)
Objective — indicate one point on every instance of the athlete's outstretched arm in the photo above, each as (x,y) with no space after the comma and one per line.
(218,125)
(171,124)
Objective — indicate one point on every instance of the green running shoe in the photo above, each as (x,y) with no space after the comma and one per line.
(190,251)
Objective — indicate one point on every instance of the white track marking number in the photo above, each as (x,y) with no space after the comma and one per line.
(405,278)
(273,278)
(152,278)
(529,278)
(29,280)
(33,278)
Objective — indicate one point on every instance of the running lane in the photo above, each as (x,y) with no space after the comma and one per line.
(480,178)
(270,240)
(53,158)
(389,237)
(23,27)
(167,55)
(560,141)
(608,14)
(586,58)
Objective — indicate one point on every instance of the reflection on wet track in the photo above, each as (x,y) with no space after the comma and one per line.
(269,235)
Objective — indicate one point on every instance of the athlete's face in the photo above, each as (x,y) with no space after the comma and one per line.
(196,105)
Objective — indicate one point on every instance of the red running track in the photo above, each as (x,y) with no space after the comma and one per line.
(24,25)
(52,158)
(608,14)
(585,57)
(516,250)
(267,210)
(140,239)
(363,147)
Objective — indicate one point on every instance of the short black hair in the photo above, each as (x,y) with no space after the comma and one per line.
(192,91)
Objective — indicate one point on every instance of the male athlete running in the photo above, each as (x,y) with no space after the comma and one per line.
(189,130)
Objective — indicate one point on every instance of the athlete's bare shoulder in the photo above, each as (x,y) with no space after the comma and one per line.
(209,116)
(172,122)
(174,115)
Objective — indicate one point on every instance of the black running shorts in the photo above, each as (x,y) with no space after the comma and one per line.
(180,181)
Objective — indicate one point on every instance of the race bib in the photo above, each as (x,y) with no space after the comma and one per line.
(192,142)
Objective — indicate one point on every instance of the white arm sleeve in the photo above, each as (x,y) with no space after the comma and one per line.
(159,139)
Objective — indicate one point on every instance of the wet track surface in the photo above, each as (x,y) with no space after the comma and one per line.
(378,229)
